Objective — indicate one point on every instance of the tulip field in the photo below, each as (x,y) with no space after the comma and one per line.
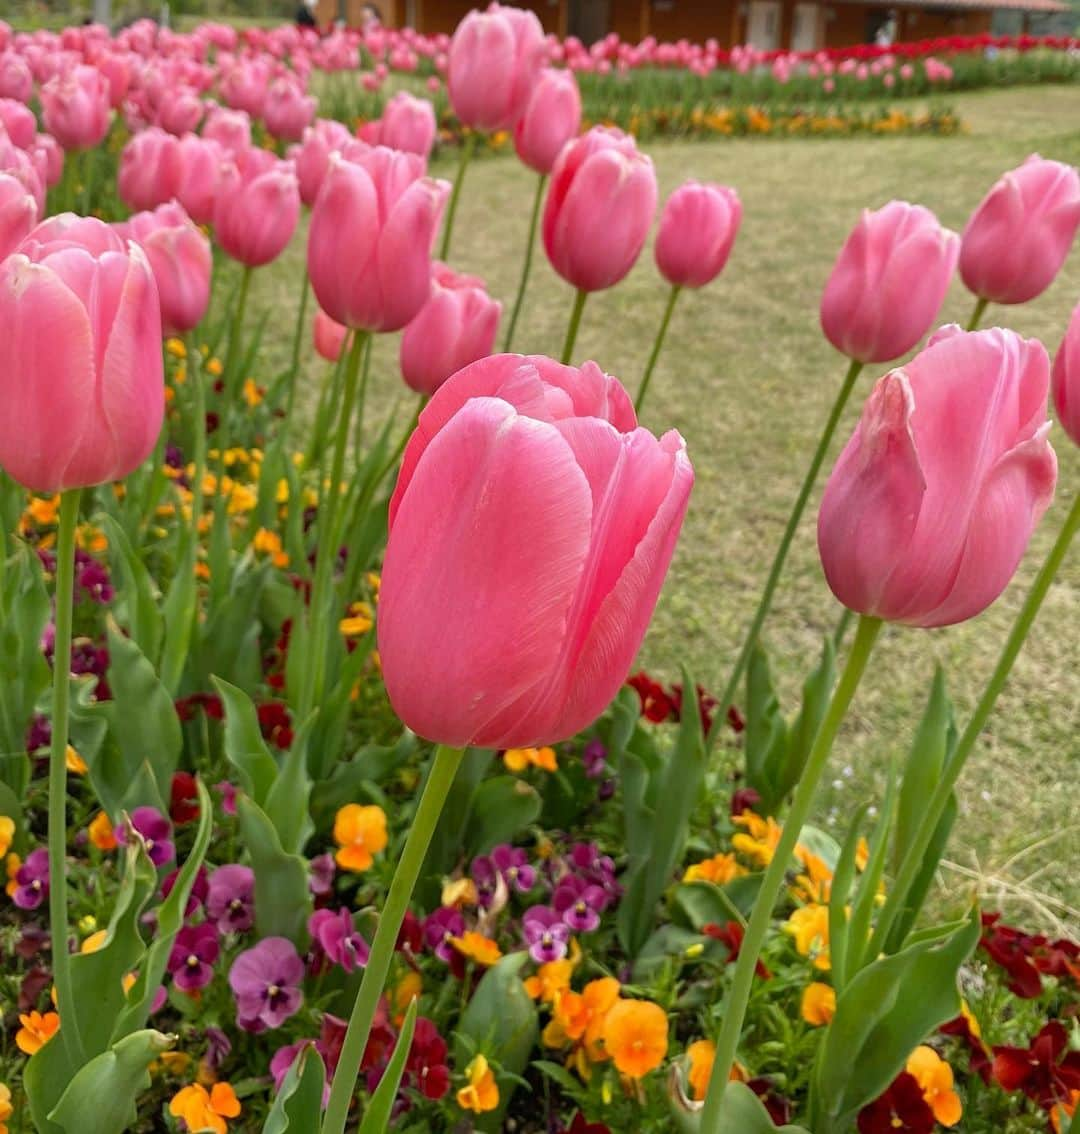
(525,609)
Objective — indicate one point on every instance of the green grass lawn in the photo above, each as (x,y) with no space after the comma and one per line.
(747,378)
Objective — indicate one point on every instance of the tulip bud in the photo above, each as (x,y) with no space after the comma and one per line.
(527,491)
(1066,378)
(932,503)
(552,117)
(697,229)
(407,124)
(312,156)
(599,209)
(328,336)
(150,169)
(257,208)
(19,122)
(231,129)
(287,111)
(888,283)
(75,107)
(201,161)
(1018,237)
(80,358)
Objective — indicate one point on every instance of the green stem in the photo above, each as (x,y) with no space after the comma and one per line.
(193,362)
(575,323)
(88,164)
(840,632)
(410,429)
(939,800)
(977,313)
(526,268)
(331,380)
(765,602)
(443,769)
(326,552)
(467,147)
(298,332)
(760,920)
(232,357)
(673,296)
(58,923)
(361,397)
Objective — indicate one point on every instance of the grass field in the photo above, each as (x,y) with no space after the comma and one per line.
(747,378)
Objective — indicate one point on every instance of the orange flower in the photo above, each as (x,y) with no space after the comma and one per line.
(553,978)
(1063,1113)
(636,1036)
(269,543)
(818,1004)
(205,1110)
(477,948)
(482,1092)
(36,1031)
(360,832)
(935,1078)
(11,865)
(761,838)
(100,831)
(809,925)
(518,759)
(406,991)
(94,942)
(719,869)
(7,833)
(75,763)
(702,1055)
(815,883)
(6,1109)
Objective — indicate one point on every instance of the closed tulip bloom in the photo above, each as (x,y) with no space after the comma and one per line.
(287,111)
(328,336)
(150,169)
(16,78)
(599,209)
(181,113)
(80,359)
(257,208)
(552,117)
(888,283)
(231,129)
(530,532)
(369,244)
(1066,378)
(456,326)
(48,156)
(180,258)
(75,107)
(201,162)
(407,124)
(494,60)
(312,156)
(1018,238)
(18,212)
(697,229)
(19,122)
(26,168)
(933,501)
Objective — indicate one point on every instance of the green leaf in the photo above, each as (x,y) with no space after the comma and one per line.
(179,611)
(298,1104)
(245,748)
(742,1112)
(379,1112)
(885,1012)
(701,903)
(136,607)
(45,1078)
(107,1087)
(502,808)
(282,896)
(289,794)
(371,764)
(228,642)
(816,693)
(839,894)
(866,899)
(501,1021)
(328,739)
(766,733)
(916,896)
(668,944)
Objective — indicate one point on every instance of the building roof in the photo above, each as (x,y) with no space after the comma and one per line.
(970,5)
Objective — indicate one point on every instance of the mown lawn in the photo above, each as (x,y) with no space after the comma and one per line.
(747,378)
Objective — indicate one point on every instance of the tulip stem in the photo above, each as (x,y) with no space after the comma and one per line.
(912,864)
(232,358)
(57,838)
(760,919)
(575,323)
(526,268)
(658,345)
(290,394)
(443,769)
(977,313)
(198,429)
(326,400)
(765,602)
(467,146)
(361,397)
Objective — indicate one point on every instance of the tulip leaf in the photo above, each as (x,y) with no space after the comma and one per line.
(282,895)
(502,808)
(45,1078)
(839,894)
(378,1115)
(349,780)
(700,903)
(298,1103)
(741,1112)
(136,607)
(228,642)
(335,709)
(289,794)
(879,1022)
(179,612)
(245,748)
(866,898)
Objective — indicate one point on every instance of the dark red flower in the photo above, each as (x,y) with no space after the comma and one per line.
(425,1068)
(183,798)
(1046,1071)
(900,1110)
(779,1108)
(275,723)
(1059,959)
(1010,949)
(706,705)
(580,1126)
(731,935)
(210,703)
(745,799)
(978,1053)
(735,720)
(656,705)
(410,937)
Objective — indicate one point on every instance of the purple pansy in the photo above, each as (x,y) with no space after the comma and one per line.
(321,881)
(218,1048)
(199,889)
(92,579)
(579,903)
(227,791)
(335,935)
(594,759)
(546,934)
(230,899)
(266,983)
(32,880)
(439,927)
(193,954)
(513,864)
(156,832)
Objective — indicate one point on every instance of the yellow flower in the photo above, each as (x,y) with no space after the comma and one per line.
(720,869)
(935,1079)
(174,1062)
(6,1109)
(7,833)
(12,864)
(482,1092)
(477,947)
(459,892)
(809,925)
(815,883)
(75,763)
(242,498)
(205,1110)
(406,991)
(176,348)
(101,832)
(360,833)
(36,1031)
(94,942)
(761,838)
(702,1055)
(636,1036)
(553,978)
(818,1004)
(253,394)
(518,759)
(269,543)
(213,366)
(43,511)
(359,620)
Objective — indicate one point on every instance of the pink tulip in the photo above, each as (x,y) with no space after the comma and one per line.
(495,57)
(599,209)
(19,122)
(48,156)
(552,117)
(76,108)
(80,359)
(312,156)
(369,244)
(287,111)
(244,87)
(888,283)
(328,336)
(201,161)
(257,207)
(1066,378)
(150,169)
(231,129)
(407,124)
(933,501)
(16,78)
(18,212)
(1018,238)
(697,229)
(116,69)
(181,113)
(25,168)
(456,327)
(530,532)
(180,258)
